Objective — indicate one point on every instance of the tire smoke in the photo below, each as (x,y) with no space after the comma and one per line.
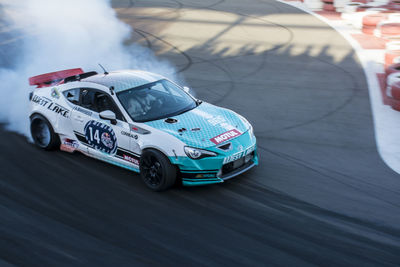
(40,36)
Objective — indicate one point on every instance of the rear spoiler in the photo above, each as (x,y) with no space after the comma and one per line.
(53,78)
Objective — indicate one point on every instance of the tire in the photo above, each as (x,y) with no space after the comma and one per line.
(156,170)
(328,7)
(392,69)
(372,20)
(363,8)
(393,6)
(43,133)
(369,30)
(395,17)
(389,29)
(351,7)
(392,46)
(392,51)
(392,78)
(396,60)
(395,91)
(390,56)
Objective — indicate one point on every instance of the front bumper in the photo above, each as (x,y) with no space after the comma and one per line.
(217,178)
(228,164)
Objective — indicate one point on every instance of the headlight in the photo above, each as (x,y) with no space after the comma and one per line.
(196,153)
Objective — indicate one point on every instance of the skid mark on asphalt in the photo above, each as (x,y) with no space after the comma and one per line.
(338,108)
(277,206)
(328,173)
(264,55)
(187,57)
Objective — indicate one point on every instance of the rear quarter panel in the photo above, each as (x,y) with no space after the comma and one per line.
(50,103)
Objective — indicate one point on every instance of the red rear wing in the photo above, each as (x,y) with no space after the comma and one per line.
(53,78)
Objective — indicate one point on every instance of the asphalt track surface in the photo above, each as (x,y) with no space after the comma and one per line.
(320,196)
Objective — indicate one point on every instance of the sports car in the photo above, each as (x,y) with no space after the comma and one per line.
(143,122)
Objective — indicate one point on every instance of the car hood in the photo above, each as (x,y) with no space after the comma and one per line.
(204,126)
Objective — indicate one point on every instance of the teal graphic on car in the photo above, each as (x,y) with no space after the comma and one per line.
(226,138)
(199,126)
(225,164)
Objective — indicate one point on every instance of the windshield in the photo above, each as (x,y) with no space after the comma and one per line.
(157,100)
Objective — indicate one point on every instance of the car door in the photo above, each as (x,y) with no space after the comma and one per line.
(109,141)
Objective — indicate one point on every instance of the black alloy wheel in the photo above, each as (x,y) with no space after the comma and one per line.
(43,133)
(156,170)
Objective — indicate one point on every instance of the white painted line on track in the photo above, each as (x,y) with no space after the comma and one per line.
(386,120)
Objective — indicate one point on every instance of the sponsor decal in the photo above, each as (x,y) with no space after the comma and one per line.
(134,136)
(218,120)
(55,93)
(127,155)
(106,140)
(84,111)
(130,159)
(69,145)
(239,155)
(50,105)
(101,137)
(42,101)
(225,136)
(201,175)
(205,175)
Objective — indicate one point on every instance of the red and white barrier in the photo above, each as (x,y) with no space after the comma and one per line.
(392,51)
(388,30)
(328,5)
(392,78)
(370,22)
(314,4)
(395,91)
(394,68)
(340,5)
(370,51)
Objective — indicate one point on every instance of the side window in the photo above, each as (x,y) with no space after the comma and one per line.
(103,102)
(72,95)
(98,101)
(87,99)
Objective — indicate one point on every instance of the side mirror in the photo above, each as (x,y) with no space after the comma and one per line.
(108,115)
(186,89)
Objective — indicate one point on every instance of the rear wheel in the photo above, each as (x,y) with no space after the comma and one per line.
(43,134)
(156,170)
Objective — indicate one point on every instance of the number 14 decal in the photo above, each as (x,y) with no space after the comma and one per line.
(95,136)
(101,137)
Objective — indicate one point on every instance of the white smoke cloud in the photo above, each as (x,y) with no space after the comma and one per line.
(57,35)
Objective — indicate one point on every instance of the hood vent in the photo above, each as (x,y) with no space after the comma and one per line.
(171,120)
(226,147)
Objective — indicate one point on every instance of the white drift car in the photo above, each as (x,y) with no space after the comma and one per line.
(143,122)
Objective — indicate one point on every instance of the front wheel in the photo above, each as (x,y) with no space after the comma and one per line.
(43,134)
(156,170)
